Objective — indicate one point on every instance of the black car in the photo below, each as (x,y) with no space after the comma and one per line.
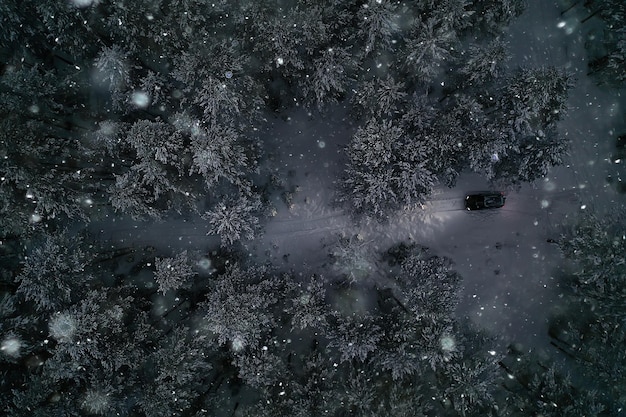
(484,200)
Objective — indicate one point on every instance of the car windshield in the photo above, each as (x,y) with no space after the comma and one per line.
(492,200)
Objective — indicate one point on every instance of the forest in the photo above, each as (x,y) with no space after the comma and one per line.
(155,110)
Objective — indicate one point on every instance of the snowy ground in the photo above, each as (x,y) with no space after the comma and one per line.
(510,272)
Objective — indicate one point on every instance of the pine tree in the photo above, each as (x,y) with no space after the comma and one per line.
(589,328)
(430,287)
(217,153)
(417,312)
(157,89)
(112,73)
(378,25)
(40,150)
(428,48)
(54,273)
(353,259)
(234,220)
(607,69)
(472,384)
(173,273)
(543,388)
(484,63)
(532,158)
(174,375)
(152,186)
(534,99)
(149,30)
(216,83)
(386,170)
(263,369)
(91,359)
(355,336)
(307,306)
(11,23)
(456,15)
(379,98)
(238,310)
(330,77)
(491,17)
(94,338)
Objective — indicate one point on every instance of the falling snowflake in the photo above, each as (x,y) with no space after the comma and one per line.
(447,344)
(140,99)
(11,347)
(62,327)
(238,344)
(84,3)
